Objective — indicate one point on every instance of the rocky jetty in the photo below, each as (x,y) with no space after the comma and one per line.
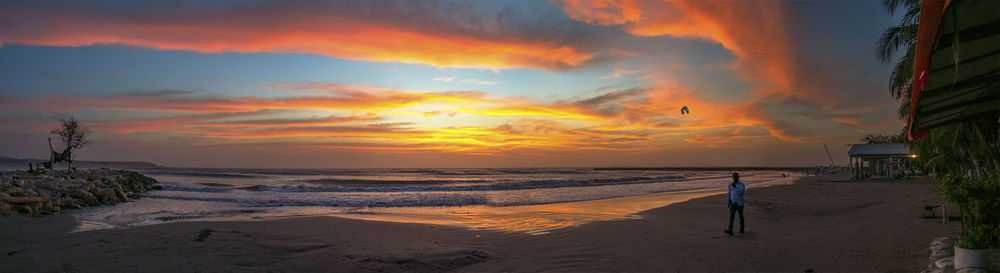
(42,193)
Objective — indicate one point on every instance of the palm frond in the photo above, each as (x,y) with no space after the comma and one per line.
(912,16)
(901,77)
(904,109)
(894,39)
(890,6)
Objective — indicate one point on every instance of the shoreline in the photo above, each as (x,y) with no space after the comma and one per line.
(543,218)
(515,209)
(858,226)
(532,219)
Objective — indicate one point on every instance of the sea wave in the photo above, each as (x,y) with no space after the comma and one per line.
(256,173)
(387,182)
(360,185)
(321,200)
(203,174)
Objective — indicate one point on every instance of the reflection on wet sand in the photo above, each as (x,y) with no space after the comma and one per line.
(538,219)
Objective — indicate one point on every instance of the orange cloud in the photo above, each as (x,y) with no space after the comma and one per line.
(753,30)
(290,28)
(604,12)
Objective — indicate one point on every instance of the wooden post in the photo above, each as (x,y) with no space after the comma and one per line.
(861,168)
(857,162)
(888,169)
(944,214)
(850,166)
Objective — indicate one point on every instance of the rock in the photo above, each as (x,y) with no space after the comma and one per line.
(25,209)
(204,234)
(52,205)
(18,183)
(941,252)
(933,270)
(971,270)
(88,198)
(940,241)
(6,209)
(120,196)
(44,193)
(945,262)
(61,201)
(106,196)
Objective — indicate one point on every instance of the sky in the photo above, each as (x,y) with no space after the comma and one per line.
(395,84)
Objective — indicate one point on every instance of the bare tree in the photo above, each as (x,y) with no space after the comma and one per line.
(73,135)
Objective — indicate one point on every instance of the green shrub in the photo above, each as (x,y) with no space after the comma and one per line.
(979,200)
(979,237)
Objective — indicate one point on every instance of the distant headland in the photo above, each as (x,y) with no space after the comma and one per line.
(22,163)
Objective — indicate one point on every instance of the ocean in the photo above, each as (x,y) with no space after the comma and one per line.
(532,200)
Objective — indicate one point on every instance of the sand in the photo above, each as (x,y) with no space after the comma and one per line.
(813,224)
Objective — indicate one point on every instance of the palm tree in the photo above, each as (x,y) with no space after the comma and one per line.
(894,40)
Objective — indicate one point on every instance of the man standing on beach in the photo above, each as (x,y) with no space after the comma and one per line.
(736,190)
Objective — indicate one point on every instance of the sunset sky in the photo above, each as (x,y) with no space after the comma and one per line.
(446,83)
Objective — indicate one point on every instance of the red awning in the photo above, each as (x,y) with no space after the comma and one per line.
(931,12)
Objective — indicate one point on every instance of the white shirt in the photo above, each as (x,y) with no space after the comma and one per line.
(736,193)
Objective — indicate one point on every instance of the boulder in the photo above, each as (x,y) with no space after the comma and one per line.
(24,209)
(87,198)
(107,196)
(942,252)
(120,196)
(6,209)
(933,270)
(52,205)
(945,262)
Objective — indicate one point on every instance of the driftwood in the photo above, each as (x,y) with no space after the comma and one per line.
(56,157)
(23,199)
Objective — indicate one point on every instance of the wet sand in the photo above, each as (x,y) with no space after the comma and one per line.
(812,224)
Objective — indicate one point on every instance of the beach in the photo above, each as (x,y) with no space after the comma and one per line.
(812,224)
(499,136)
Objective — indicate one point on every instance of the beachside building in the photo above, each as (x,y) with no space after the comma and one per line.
(956,75)
(880,160)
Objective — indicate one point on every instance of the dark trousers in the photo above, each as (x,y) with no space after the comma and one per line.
(733,209)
